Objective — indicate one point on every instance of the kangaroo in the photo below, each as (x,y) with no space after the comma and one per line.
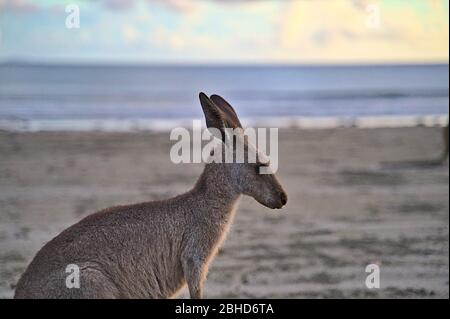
(153,249)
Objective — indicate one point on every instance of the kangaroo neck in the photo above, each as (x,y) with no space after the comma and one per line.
(215,193)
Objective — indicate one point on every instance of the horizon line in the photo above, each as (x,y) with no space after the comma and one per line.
(43,63)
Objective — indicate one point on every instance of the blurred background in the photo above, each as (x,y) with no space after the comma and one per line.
(359,89)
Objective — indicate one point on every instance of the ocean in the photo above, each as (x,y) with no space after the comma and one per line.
(34,97)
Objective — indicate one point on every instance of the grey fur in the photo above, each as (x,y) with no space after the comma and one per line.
(152,249)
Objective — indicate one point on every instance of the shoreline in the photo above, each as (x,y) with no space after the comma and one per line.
(165,125)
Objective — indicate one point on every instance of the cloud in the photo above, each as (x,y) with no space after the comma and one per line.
(330,31)
(20,6)
(337,31)
(119,5)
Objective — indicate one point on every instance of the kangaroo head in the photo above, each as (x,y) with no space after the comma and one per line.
(243,175)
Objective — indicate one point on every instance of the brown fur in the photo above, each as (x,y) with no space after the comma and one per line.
(152,249)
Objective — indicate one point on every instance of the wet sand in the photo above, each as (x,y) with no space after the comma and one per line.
(356,196)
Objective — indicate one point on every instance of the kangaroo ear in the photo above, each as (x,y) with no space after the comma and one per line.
(215,118)
(227,109)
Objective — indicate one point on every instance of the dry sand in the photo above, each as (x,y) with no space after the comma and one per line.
(346,209)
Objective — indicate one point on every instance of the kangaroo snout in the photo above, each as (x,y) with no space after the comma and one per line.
(281,201)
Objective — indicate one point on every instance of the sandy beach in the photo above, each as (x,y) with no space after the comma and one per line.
(356,197)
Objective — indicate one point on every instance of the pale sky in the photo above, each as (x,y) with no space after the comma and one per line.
(227,31)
